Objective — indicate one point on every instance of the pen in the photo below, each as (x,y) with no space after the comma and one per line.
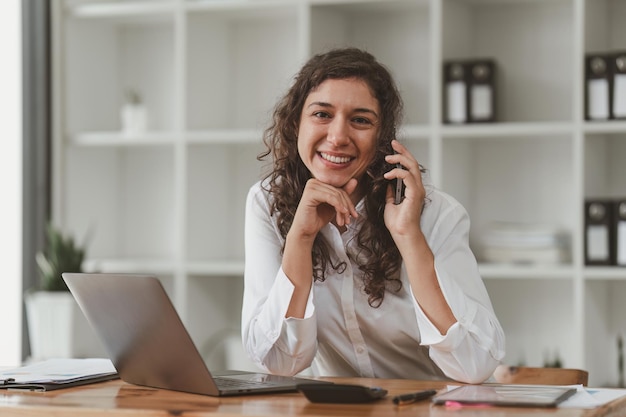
(413,397)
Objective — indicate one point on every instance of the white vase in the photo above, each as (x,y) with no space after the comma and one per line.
(134,118)
(57,327)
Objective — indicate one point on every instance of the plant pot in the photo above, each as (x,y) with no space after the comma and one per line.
(57,327)
(134,118)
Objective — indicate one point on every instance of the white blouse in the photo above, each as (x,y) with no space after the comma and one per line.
(341,335)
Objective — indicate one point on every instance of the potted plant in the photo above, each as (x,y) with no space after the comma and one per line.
(133,115)
(56,326)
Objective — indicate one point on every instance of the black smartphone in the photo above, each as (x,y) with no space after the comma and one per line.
(340,393)
(398,188)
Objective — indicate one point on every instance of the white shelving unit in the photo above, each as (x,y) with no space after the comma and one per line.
(170,201)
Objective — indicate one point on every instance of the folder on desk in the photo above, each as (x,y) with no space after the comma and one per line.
(55,374)
(618,85)
(597,87)
(599,232)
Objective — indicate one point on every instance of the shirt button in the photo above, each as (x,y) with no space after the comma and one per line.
(360,349)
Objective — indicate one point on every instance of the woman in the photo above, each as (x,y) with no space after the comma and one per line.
(340,277)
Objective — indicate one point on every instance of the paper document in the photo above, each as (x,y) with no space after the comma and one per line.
(57,373)
(586,397)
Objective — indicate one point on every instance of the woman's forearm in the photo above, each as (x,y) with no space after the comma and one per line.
(298,266)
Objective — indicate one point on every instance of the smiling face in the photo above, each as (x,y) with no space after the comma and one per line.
(338,130)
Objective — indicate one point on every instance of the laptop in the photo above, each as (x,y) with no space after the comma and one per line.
(149,344)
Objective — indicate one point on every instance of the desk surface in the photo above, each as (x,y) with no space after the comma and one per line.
(119,398)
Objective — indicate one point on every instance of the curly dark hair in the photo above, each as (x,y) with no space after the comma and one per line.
(377,254)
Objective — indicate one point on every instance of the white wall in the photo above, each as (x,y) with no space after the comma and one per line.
(10,183)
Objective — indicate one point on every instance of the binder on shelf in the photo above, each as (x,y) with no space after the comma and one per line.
(597,87)
(469,91)
(481,87)
(455,92)
(620,232)
(618,85)
(599,232)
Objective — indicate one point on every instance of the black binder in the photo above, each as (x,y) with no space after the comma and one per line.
(481,89)
(619,211)
(599,232)
(455,92)
(618,86)
(469,91)
(597,87)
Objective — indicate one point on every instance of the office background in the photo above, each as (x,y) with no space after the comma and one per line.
(206,74)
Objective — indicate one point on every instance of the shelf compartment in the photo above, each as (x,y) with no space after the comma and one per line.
(238,67)
(531,42)
(404,48)
(605,170)
(219,178)
(533,173)
(104,60)
(604,25)
(535,334)
(604,312)
(123,199)
(214,318)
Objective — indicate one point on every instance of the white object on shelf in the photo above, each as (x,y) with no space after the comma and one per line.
(524,243)
(134,118)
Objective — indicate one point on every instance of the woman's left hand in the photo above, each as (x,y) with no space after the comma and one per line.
(403,220)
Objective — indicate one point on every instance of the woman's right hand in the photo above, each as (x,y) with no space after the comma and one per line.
(320,204)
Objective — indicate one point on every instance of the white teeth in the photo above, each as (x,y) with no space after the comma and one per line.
(335,159)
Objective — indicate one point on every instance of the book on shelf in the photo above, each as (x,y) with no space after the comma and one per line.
(522,243)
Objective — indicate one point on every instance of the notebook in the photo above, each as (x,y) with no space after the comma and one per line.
(148,343)
(506,395)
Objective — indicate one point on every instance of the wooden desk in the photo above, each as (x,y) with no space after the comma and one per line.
(118,398)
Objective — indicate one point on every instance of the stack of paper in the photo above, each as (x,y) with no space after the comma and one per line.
(522,243)
(58,373)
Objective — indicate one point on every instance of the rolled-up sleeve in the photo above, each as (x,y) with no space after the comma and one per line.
(274,343)
(473,347)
